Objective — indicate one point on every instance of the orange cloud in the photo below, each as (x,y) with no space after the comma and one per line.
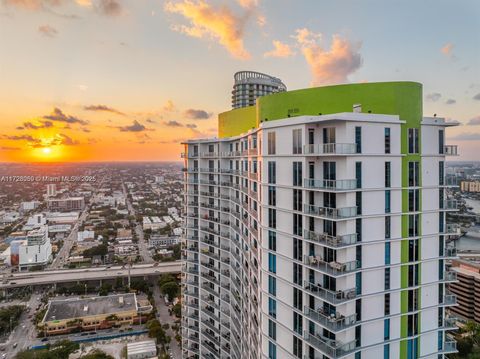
(280,49)
(447,49)
(329,66)
(219,24)
(33,4)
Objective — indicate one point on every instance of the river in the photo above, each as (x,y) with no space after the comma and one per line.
(471,240)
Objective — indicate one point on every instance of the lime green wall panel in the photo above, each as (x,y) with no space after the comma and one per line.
(235,122)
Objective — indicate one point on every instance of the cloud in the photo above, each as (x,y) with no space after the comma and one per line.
(31,126)
(197,114)
(329,66)
(20,138)
(58,116)
(103,108)
(447,49)
(218,24)
(169,106)
(33,4)
(8,148)
(474,121)
(109,7)
(476,97)
(280,49)
(86,130)
(451,101)
(466,137)
(173,124)
(434,96)
(149,120)
(248,4)
(191,125)
(65,140)
(85,3)
(47,30)
(134,127)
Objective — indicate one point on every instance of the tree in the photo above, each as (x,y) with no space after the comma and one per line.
(177,310)
(97,354)
(156,331)
(170,289)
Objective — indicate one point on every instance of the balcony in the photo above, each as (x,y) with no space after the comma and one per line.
(330,213)
(332,348)
(450,276)
(334,322)
(451,150)
(452,229)
(333,241)
(330,296)
(331,185)
(449,299)
(330,149)
(333,268)
(449,204)
(449,346)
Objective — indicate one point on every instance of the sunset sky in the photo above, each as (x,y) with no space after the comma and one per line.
(102,80)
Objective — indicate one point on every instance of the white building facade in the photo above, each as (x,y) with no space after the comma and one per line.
(320,236)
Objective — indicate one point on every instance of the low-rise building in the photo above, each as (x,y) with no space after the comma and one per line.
(467,289)
(158,241)
(470,186)
(92,313)
(85,236)
(66,204)
(142,350)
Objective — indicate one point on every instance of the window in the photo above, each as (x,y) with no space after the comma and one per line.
(297,323)
(441,173)
(272,307)
(413,174)
(388,227)
(328,135)
(413,254)
(297,200)
(272,240)
(386,304)
(297,249)
(441,141)
(272,351)
(297,173)
(272,329)
(297,141)
(413,227)
(413,200)
(386,329)
(412,325)
(388,206)
(272,196)
(388,174)
(387,140)
(413,140)
(412,300)
(358,283)
(272,285)
(358,229)
(272,175)
(311,136)
(387,252)
(358,139)
(413,275)
(297,273)
(358,174)
(387,278)
(271,143)
(272,218)
(386,351)
(358,202)
(272,263)
(297,224)
(297,347)
(297,299)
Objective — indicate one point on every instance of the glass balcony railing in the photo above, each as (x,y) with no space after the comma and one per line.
(331,296)
(331,213)
(449,204)
(332,321)
(450,276)
(332,185)
(449,299)
(334,241)
(449,346)
(331,267)
(330,148)
(451,150)
(332,348)
(452,229)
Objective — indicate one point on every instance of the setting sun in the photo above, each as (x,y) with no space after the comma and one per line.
(47,150)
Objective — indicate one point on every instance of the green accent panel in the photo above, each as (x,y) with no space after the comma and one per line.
(234,122)
(393,98)
(389,98)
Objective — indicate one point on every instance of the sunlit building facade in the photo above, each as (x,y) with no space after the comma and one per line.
(315,228)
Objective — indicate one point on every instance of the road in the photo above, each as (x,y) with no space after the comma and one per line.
(142,244)
(23,279)
(25,333)
(164,317)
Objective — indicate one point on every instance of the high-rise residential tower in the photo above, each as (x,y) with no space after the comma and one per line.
(315,228)
(250,84)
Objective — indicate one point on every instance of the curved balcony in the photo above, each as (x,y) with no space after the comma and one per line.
(334,297)
(331,268)
(329,240)
(330,213)
(333,322)
(330,185)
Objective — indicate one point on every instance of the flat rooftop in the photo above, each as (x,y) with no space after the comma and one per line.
(72,308)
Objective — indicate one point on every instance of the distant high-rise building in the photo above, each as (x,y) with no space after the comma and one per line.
(250,84)
(36,250)
(470,186)
(315,228)
(51,190)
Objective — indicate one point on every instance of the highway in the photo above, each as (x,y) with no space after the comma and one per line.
(16,280)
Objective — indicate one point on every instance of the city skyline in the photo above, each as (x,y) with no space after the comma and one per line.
(160,72)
